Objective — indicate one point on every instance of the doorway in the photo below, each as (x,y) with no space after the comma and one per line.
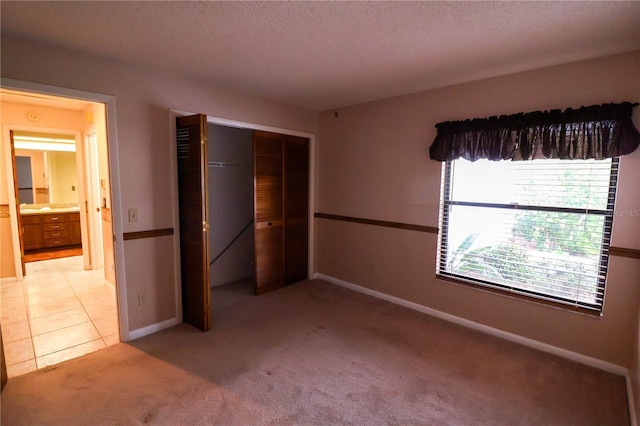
(24,174)
(48,195)
(282,181)
(230,198)
(65,305)
(230,187)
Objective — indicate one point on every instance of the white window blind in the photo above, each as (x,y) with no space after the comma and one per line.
(537,228)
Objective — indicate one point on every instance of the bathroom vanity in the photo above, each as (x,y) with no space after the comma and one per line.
(50,227)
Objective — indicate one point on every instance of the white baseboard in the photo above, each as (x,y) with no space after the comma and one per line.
(153,328)
(631,400)
(545,347)
(8,280)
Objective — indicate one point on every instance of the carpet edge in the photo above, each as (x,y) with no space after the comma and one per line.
(525,341)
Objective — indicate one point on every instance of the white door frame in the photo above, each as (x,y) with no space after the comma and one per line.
(93,199)
(85,224)
(114,174)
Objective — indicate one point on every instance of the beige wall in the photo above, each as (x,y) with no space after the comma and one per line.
(143,99)
(7,263)
(107,246)
(635,371)
(373,162)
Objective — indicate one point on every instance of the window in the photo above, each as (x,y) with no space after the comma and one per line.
(538,229)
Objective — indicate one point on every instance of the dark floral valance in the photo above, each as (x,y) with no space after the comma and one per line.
(597,131)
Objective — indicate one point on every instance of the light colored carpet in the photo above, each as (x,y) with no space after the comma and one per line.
(314,353)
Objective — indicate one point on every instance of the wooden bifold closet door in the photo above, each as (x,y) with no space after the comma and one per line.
(296,209)
(281,176)
(268,211)
(194,220)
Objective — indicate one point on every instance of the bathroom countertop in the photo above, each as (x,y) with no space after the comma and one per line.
(48,210)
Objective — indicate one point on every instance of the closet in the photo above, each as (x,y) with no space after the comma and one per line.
(280,213)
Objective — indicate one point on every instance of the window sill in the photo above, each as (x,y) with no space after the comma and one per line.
(514,294)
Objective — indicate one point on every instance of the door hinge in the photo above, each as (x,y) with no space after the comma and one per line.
(205,226)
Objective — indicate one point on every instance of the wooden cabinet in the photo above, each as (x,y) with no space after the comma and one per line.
(55,231)
(32,237)
(74,229)
(43,231)
(281,173)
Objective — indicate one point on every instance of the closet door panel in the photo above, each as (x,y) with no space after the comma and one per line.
(268,211)
(268,176)
(296,252)
(269,261)
(268,200)
(194,218)
(296,202)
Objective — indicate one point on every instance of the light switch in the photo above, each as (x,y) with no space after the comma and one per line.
(133,215)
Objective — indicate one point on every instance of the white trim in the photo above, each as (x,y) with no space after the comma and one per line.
(82,198)
(153,328)
(630,400)
(117,218)
(525,341)
(46,89)
(114,175)
(13,219)
(8,280)
(90,169)
(176,214)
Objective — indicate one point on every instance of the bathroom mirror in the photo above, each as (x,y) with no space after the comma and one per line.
(46,168)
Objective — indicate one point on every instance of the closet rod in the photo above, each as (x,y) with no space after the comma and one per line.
(225,164)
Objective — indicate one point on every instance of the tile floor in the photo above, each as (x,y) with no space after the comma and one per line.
(59,312)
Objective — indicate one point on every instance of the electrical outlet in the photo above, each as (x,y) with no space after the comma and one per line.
(133,215)
(142,299)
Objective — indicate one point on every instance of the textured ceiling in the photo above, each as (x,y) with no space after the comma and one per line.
(323,55)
